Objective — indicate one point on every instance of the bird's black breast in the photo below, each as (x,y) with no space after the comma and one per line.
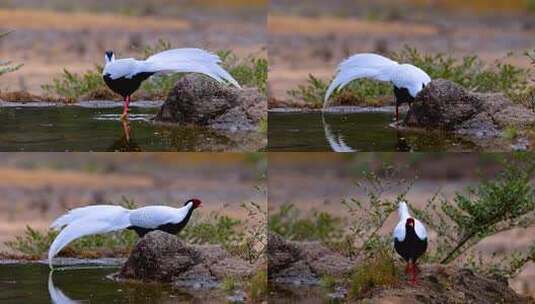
(126,86)
(402,95)
(412,247)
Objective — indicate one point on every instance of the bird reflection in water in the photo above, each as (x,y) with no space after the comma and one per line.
(126,142)
(335,141)
(56,295)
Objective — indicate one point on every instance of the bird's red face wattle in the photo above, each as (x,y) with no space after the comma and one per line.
(196,203)
(410,222)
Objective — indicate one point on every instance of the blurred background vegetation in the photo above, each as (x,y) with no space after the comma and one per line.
(55,35)
(481,43)
(39,187)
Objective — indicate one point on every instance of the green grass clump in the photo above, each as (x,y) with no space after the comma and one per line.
(258,287)
(469,72)
(215,229)
(263,126)
(362,92)
(229,284)
(5,66)
(510,133)
(32,243)
(328,283)
(288,222)
(378,271)
(72,86)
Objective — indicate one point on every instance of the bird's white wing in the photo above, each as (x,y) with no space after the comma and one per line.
(126,67)
(153,216)
(187,60)
(399,231)
(420,230)
(364,65)
(410,77)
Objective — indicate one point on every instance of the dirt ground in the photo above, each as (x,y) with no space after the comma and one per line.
(321,181)
(313,37)
(38,187)
(46,44)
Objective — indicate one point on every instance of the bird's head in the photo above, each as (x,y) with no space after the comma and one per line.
(409,223)
(109,56)
(196,203)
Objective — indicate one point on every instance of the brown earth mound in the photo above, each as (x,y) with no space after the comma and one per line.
(294,264)
(440,284)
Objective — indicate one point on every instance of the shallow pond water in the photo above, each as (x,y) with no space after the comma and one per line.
(74,128)
(348,132)
(32,284)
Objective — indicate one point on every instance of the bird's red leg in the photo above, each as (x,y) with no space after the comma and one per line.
(407,268)
(413,280)
(125,107)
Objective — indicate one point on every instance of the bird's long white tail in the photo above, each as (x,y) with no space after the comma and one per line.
(189,60)
(403,210)
(85,221)
(364,65)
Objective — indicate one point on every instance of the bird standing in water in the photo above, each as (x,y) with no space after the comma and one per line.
(408,80)
(124,76)
(410,240)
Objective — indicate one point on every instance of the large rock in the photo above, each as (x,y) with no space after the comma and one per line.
(159,256)
(445,105)
(442,104)
(199,100)
(281,254)
(162,257)
(440,284)
(303,263)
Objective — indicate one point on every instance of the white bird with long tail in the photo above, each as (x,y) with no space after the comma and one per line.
(124,76)
(98,219)
(408,80)
(410,240)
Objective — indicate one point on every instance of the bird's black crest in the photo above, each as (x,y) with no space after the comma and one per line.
(109,54)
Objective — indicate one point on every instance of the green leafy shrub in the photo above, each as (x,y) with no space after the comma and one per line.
(257,288)
(503,203)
